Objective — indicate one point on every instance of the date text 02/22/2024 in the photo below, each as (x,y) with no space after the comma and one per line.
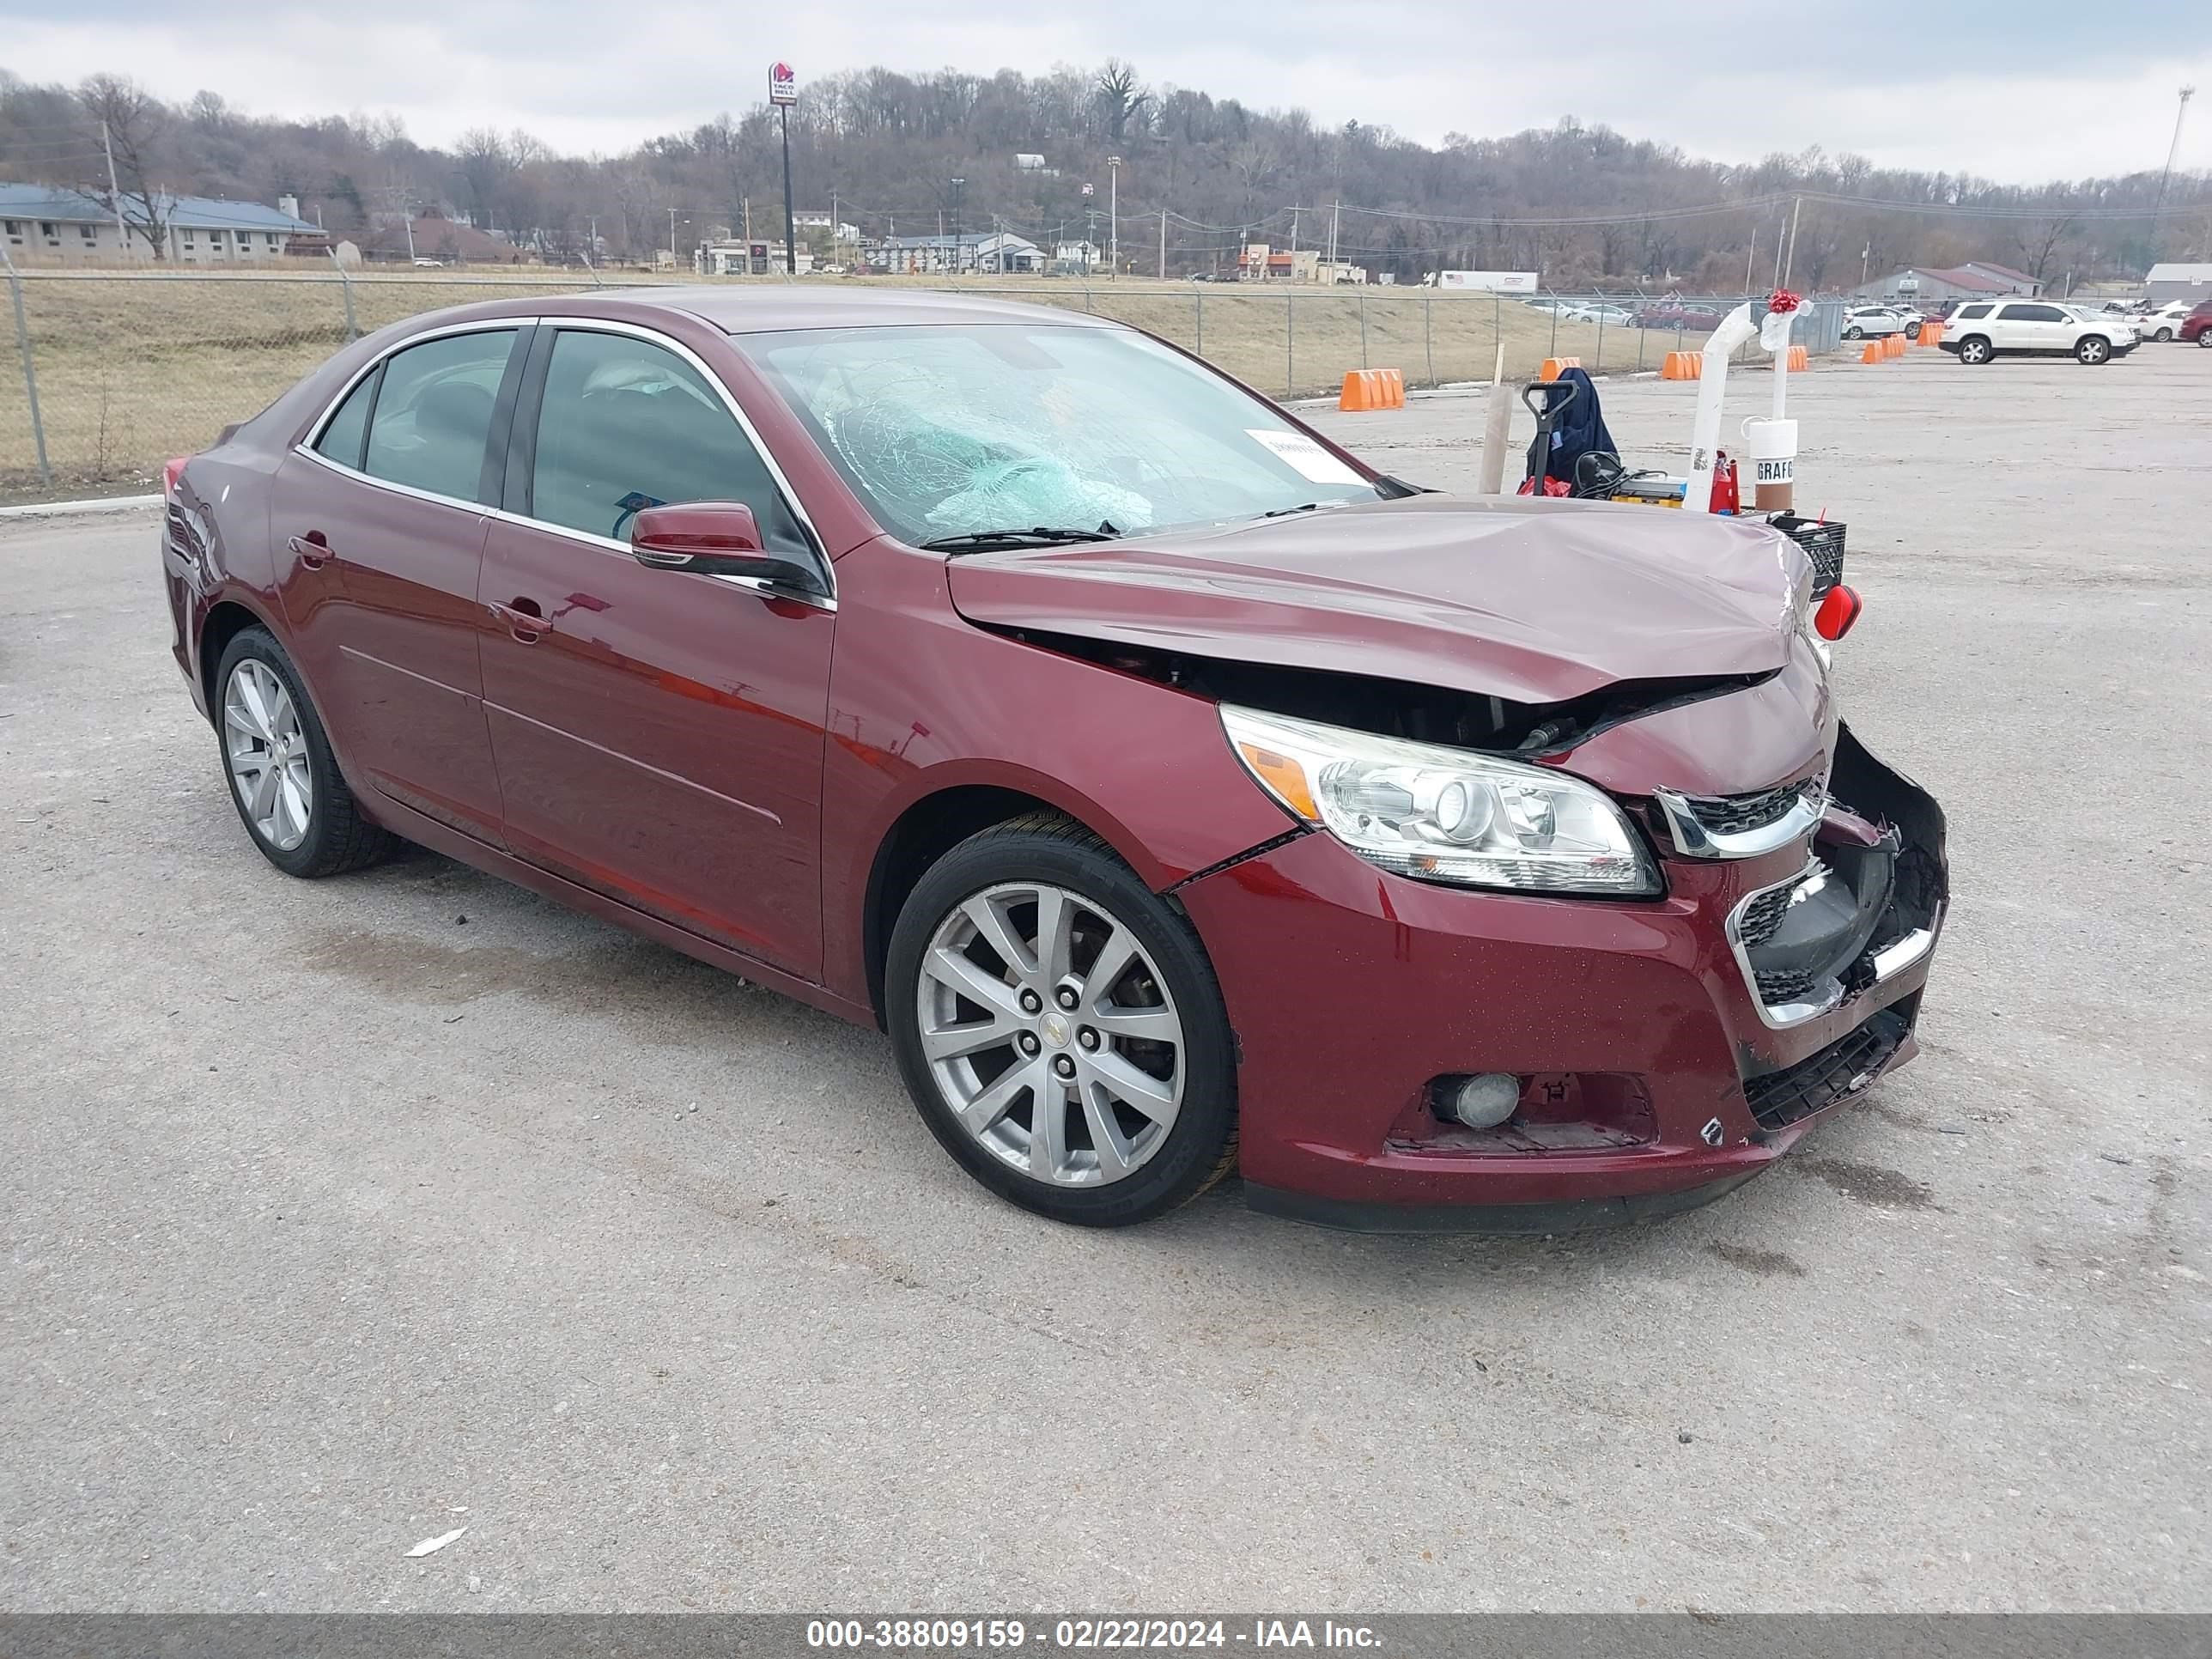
(955,1634)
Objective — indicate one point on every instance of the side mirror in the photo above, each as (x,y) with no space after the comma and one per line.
(713,538)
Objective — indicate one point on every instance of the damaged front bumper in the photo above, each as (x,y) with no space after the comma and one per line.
(1666,1052)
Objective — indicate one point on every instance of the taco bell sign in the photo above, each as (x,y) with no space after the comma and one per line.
(782,84)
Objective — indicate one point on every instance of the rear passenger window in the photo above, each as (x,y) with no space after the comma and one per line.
(434,413)
(1967,314)
(347,429)
(626,423)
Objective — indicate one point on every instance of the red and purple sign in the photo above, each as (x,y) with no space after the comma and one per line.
(782,84)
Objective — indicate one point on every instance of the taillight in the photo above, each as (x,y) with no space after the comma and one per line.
(1838,612)
(172,472)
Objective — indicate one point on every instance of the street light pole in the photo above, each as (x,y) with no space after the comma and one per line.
(1114,212)
(790,218)
(959,184)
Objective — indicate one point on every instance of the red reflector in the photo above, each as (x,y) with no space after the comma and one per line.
(1837,613)
(171,472)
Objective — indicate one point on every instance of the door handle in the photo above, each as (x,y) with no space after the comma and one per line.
(523,619)
(311,550)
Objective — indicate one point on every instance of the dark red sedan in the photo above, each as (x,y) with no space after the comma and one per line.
(1182,794)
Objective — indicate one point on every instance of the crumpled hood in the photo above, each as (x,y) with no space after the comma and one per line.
(1534,601)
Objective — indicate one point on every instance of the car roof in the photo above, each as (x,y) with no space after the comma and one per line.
(749,310)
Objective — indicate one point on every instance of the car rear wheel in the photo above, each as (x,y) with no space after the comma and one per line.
(2093,349)
(2163,336)
(1974,350)
(284,780)
(1061,1029)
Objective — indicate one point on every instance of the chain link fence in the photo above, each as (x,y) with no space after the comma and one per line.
(118,372)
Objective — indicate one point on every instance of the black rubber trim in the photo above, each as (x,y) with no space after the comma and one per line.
(1580,1215)
(490,476)
(1261,851)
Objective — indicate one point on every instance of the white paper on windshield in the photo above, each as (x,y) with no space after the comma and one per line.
(1305,457)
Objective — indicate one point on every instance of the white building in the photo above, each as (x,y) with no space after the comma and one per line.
(758,258)
(46,224)
(2178,282)
(971,251)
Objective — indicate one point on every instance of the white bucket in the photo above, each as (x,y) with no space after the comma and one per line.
(1772,451)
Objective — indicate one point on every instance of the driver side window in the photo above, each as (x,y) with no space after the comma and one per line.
(625,423)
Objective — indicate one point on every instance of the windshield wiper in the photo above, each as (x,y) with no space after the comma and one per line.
(981,541)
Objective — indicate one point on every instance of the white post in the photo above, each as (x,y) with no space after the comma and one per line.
(1712,385)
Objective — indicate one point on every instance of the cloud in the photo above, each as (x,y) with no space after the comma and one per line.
(2075,93)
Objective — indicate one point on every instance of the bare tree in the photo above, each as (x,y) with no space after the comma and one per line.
(134,122)
(1119,98)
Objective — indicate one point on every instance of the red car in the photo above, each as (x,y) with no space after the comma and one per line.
(2197,325)
(1180,794)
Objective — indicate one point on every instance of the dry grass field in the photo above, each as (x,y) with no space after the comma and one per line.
(134,368)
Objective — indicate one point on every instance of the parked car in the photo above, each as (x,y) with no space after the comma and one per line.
(421,263)
(1604,312)
(1179,792)
(1675,314)
(2025,328)
(2197,325)
(2163,323)
(1871,322)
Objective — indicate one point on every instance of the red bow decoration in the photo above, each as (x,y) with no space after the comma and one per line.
(1784,300)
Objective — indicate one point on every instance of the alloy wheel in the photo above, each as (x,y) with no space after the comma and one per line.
(267,753)
(1050,1035)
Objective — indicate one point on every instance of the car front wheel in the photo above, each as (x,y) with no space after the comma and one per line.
(1061,1029)
(284,778)
(2093,349)
(1974,350)
(2204,336)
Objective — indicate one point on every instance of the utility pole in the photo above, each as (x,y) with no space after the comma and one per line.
(1335,214)
(1865,254)
(1750,254)
(1789,259)
(1114,211)
(115,191)
(1294,232)
(1163,243)
(671,233)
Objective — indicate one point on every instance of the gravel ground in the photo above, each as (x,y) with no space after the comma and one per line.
(340,1215)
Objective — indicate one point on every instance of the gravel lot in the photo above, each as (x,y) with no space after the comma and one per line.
(340,1215)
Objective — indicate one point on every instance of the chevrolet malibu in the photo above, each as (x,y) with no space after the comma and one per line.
(1182,794)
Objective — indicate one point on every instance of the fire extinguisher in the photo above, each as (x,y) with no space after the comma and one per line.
(1724,494)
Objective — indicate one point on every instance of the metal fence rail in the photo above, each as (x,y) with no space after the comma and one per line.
(121,371)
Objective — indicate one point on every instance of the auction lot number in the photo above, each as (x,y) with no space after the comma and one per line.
(955,1633)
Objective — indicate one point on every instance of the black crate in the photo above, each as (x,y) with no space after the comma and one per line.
(1823,545)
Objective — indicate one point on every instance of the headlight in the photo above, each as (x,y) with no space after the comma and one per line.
(1445,814)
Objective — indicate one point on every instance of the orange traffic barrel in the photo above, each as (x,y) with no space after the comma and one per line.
(1682,366)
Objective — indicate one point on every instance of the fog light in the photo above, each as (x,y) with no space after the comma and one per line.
(1484,1101)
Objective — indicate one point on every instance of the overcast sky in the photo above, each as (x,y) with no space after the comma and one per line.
(2018,92)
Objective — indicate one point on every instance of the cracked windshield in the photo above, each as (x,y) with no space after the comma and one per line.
(953,432)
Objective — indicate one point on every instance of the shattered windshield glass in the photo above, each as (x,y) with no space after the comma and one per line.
(953,431)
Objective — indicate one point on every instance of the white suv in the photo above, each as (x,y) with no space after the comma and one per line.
(2033,328)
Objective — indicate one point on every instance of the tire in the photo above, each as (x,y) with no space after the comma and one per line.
(2163,336)
(2093,349)
(1004,872)
(335,835)
(1974,350)
(1912,330)
(2204,337)
(1854,332)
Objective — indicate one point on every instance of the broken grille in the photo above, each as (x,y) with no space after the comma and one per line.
(1780,1098)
